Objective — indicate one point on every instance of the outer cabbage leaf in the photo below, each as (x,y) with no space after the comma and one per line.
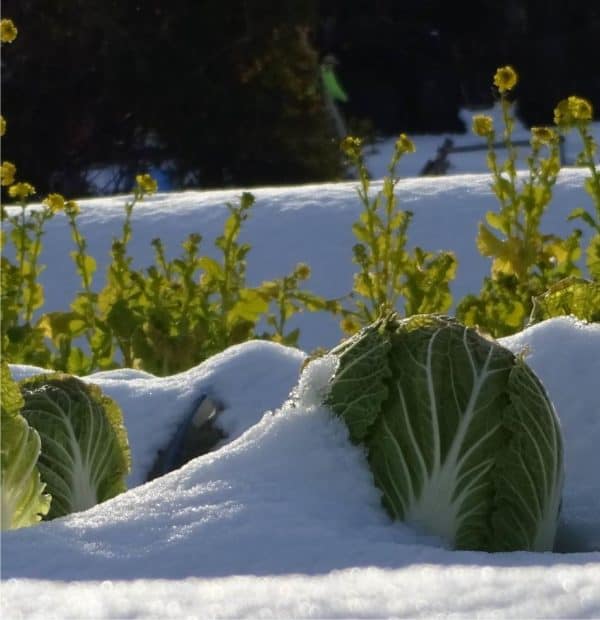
(467,445)
(23,499)
(85,453)
(359,388)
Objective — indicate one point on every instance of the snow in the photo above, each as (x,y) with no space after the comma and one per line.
(282,520)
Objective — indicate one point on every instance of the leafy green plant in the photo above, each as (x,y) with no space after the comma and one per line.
(389,274)
(22,294)
(525,261)
(85,318)
(461,437)
(287,298)
(577,113)
(572,296)
(85,453)
(177,313)
(24,501)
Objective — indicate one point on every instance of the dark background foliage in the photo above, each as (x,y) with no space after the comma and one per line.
(229,93)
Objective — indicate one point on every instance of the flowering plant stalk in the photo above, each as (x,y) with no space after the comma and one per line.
(22,294)
(388,273)
(525,262)
(577,113)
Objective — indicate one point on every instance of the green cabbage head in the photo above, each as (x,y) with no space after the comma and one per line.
(85,452)
(23,499)
(460,434)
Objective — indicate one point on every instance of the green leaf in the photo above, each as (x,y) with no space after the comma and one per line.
(23,501)
(57,325)
(248,308)
(11,400)
(495,220)
(487,243)
(582,214)
(529,474)
(593,257)
(358,387)
(212,267)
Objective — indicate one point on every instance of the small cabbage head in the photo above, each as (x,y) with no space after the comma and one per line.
(85,454)
(23,499)
(461,437)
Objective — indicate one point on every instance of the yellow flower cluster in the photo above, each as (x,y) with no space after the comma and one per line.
(21,191)
(146,183)
(8,31)
(2,125)
(7,173)
(349,325)
(351,147)
(302,271)
(405,145)
(55,202)
(543,135)
(572,111)
(483,125)
(505,79)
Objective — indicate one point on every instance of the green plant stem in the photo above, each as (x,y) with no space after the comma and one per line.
(22,251)
(35,253)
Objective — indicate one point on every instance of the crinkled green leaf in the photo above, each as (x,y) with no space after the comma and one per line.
(358,388)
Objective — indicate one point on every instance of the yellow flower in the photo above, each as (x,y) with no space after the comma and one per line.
(21,191)
(55,202)
(351,146)
(302,271)
(573,110)
(2,125)
(349,325)
(581,109)
(71,208)
(404,144)
(505,79)
(8,31)
(7,173)
(543,135)
(483,125)
(146,183)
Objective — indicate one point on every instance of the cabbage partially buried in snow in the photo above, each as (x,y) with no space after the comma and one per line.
(85,453)
(461,436)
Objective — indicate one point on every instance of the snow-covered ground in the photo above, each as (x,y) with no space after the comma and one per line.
(469,161)
(283,519)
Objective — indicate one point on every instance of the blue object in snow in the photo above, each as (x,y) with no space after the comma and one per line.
(196,435)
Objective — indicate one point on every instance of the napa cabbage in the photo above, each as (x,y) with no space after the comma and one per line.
(460,434)
(85,454)
(24,501)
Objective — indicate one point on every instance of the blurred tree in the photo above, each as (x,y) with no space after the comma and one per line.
(227,92)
